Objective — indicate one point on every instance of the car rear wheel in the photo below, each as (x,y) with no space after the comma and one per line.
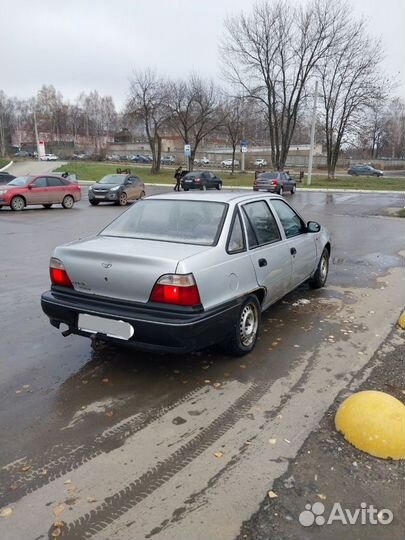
(123,200)
(142,195)
(94,203)
(321,273)
(219,186)
(246,329)
(17,203)
(47,206)
(68,202)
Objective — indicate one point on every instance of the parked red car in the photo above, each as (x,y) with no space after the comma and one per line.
(44,189)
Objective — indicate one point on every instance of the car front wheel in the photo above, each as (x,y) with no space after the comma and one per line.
(244,336)
(123,200)
(17,203)
(219,186)
(280,190)
(321,274)
(293,189)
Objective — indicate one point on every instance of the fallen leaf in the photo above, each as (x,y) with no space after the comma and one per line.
(105,380)
(91,499)
(26,468)
(14,485)
(109,413)
(242,366)
(322,496)
(216,384)
(207,381)
(56,532)
(272,441)
(272,494)
(18,391)
(57,510)
(287,441)
(44,472)
(25,386)
(6,512)
(58,523)
(274,344)
(67,482)
(218,454)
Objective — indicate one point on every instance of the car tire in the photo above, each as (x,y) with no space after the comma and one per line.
(321,274)
(186,188)
(123,199)
(293,189)
(68,202)
(219,186)
(280,190)
(94,203)
(47,206)
(17,203)
(142,195)
(246,329)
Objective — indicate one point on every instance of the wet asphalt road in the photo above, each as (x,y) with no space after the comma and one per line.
(136,445)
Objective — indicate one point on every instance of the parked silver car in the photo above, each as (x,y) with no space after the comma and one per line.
(180,272)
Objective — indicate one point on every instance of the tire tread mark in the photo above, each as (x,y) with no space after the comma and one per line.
(64,458)
(118,504)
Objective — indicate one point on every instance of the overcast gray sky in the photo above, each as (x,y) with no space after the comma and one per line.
(81,45)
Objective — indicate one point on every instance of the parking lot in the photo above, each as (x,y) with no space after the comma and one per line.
(138,445)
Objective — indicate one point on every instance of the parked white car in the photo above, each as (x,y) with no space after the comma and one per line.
(259,163)
(182,273)
(49,157)
(227,163)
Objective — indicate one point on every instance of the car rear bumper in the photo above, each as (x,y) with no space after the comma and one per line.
(155,328)
(272,189)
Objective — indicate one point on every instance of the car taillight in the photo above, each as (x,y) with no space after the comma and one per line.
(197,179)
(58,274)
(274,182)
(177,289)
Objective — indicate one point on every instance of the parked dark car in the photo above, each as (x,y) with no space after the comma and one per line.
(364,170)
(139,158)
(22,153)
(275,182)
(201,180)
(117,188)
(6,177)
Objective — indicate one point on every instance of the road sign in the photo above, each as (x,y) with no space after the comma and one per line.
(187,150)
(243,148)
(243,145)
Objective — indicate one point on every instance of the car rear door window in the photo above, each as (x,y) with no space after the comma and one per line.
(54,182)
(261,225)
(236,242)
(291,222)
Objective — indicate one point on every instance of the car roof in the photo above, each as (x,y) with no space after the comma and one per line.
(226,197)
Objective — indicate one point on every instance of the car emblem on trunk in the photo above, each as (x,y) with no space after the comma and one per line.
(106,265)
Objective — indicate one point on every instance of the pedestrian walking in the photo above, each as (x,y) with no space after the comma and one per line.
(177,176)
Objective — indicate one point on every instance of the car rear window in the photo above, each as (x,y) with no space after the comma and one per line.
(268,176)
(185,222)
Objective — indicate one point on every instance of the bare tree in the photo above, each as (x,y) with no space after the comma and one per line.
(233,124)
(148,102)
(6,121)
(350,84)
(272,53)
(196,111)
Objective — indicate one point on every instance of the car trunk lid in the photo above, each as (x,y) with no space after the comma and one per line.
(122,268)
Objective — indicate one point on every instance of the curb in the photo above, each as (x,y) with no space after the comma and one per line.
(301,190)
(6,166)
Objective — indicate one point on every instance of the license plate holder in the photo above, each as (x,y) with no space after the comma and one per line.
(101,325)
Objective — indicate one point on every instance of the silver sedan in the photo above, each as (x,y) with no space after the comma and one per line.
(181,272)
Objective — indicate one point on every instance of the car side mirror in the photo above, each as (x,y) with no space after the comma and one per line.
(30,186)
(313,227)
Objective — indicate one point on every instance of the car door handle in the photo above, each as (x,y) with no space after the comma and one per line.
(262,262)
(293,251)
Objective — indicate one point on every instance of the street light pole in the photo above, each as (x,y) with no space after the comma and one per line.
(311,149)
(36,133)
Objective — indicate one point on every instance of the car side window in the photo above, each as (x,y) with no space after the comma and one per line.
(291,222)
(40,182)
(54,182)
(262,225)
(236,241)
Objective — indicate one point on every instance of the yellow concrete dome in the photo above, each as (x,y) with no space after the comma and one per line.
(373,422)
